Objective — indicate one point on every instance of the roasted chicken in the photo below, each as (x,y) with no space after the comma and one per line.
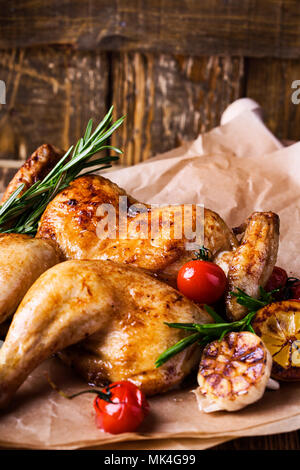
(22,260)
(252,263)
(70,223)
(98,308)
(115,313)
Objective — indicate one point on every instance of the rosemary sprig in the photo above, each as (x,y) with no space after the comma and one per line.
(214,314)
(177,348)
(21,214)
(205,333)
(251,303)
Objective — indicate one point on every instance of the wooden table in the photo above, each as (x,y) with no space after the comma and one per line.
(286,441)
(172,67)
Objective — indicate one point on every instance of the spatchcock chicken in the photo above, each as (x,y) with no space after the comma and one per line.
(102,303)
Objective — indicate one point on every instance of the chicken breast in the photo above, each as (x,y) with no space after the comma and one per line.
(36,167)
(22,260)
(74,222)
(118,314)
(233,372)
(253,261)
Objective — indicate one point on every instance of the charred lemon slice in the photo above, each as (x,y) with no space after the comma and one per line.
(278,325)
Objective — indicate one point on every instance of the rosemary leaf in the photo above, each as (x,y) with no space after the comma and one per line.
(184,326)
(11,199)
(21,214)
(251,303)
(176,349)
(247,301)
(205,333)
(251,329)
(213,314)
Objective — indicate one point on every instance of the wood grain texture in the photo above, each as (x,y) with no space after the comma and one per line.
(286,441)
(193,27)
(6,174)
(52,92)
(269,82)
(169,99)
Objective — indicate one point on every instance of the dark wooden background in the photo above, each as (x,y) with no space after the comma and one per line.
(172,66)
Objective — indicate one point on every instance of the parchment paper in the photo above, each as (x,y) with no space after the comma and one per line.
(234,169)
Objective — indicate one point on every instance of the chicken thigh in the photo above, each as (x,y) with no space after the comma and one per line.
(22,260)
(118,314)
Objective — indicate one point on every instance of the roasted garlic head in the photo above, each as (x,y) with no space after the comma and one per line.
(233,372)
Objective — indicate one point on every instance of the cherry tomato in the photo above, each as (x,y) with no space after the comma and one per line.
(277,280)
(201,281)
(295,291)
(124,412)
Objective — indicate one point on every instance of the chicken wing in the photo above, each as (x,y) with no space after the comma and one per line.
(119,308)
(22,260)
(253,261)
(233,372)
(36,167)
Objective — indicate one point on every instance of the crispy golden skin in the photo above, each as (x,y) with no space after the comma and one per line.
(119,308)
(71,220)
(22,260)
(233,372)
(36,167)
(253,261)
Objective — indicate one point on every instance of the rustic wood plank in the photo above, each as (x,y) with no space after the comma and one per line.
(269,82)
(6,174)
(52,92)
(168,99)
(210,27)
(285,441)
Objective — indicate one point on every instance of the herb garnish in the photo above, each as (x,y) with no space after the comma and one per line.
(205,333)
(21,214)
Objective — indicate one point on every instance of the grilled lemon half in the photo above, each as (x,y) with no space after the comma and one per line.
(278,325)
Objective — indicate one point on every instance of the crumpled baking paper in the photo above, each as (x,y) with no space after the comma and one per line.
(235,169)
